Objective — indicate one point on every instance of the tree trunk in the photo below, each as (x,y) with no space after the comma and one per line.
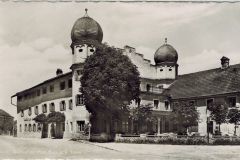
(235,129)
(219,129)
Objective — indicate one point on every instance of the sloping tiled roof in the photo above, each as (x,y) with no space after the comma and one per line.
(205,83)
(4,113)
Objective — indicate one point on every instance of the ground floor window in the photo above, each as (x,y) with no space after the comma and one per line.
(25,128)
(71,126)
(34,127)
(29,127)
(20,128)
(80,126)
(39,127)
(125,126)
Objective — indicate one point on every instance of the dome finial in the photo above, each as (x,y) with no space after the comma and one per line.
(86,15)
(166,40)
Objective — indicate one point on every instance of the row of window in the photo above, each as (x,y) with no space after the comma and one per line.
(30,128)
(155,103)
(62,104)
(62,86)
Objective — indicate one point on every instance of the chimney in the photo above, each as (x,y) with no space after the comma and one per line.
(59,72)
(224,62)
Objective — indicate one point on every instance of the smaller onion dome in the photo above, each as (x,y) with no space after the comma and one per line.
(86,28)
(166,54)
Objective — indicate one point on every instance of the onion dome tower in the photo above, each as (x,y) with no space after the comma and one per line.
(166,61)
(86,35)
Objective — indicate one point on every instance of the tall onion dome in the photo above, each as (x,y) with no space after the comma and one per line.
(86,31)
(166,54)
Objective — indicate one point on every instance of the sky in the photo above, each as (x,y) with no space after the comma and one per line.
(35,37)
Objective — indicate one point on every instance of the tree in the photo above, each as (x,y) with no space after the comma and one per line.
(185,114)
(234,117)
(218,113)
(142,115)
(109,82)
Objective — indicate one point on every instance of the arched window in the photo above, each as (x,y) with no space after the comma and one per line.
(25,128)
(44,108)
(62,106)
(20,128)
(52,107)
(70,104)
(34,127)
(29,127)
(36,110)
(29,111)
(39,127)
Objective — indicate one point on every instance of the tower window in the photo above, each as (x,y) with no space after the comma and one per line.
(91,50)
(161,70)
(79,100)
(80,50)
(170,69)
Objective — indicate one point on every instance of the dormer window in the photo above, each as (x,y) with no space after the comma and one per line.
(22,113)
(29,111)
(166,103)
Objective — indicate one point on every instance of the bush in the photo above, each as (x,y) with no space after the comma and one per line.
(163,140)
(103,137)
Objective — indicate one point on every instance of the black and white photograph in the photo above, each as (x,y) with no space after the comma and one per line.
(120,80)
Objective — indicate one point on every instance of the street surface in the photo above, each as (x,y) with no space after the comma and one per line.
(30,148)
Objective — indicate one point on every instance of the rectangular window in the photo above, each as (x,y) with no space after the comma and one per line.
(44,108)
(44,90)
(156,102)
(52,88)
(79,100)
(62,85)
(70,104)
(70,83)
(36,110)
(62,106)
(209,102)
(80,126)
(166,104)
(232,102)
(52,107)
(38,92)
(148,87)
(192,103)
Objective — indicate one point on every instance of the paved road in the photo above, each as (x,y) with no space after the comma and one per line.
(30,148)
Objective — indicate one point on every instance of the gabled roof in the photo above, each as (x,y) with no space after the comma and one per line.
(206,83)
(4,113)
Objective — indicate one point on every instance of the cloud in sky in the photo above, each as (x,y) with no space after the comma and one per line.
(35,37)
